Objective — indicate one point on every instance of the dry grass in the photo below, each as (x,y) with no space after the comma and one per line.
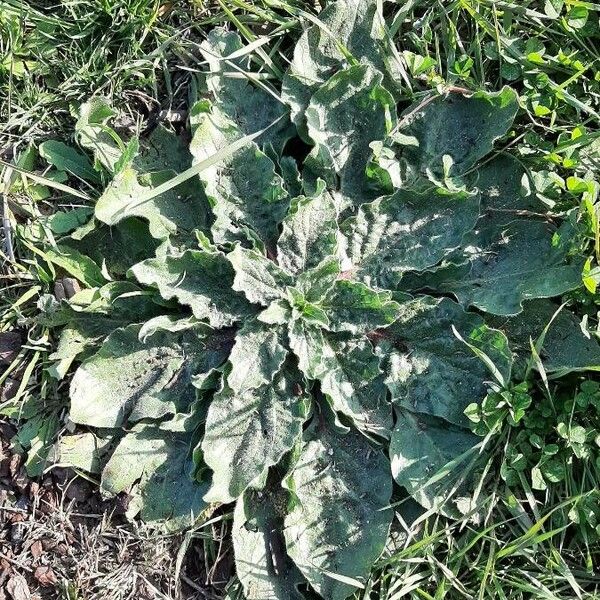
(59,539)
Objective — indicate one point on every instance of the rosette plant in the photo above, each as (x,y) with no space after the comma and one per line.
(292,311)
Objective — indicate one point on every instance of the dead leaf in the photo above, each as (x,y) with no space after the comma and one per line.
(45,576)
(36,549)
(17,588)
(10,344)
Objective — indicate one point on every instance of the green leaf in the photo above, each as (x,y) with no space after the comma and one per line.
(307,342)
(344,116)
(258,277)
(346,31)
(162,150)
(553,8)
(309,233)
(314,283)
(85,451)
(62,222)
(354,307)
(246,194)
(199,279)
(93,133)
(522,263)
(262,564)
(89,319)
(461,127)
(250,106)
(406,231)
(428,369)
(154,465)
(248,432)
(256,356)
(338,524)
(565,348)
(349,373)
(76,264)
(66,158)
(506,191)
(177,212)
(433,461)
(118,247)
(130,380)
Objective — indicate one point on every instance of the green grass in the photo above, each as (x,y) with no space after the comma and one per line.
(143,55)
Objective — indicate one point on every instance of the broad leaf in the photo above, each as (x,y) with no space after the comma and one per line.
(315,283)
(428,369)
(66,158)
(250,106)
(248,432)
(91,315)
(93,133)
(349,373)
(344,116)
(130,380)
(246,194)
(154,465)
(261,280)
(308,344)
(118,247)
(565,345)
(85,451)
(347,31)
(354,307)
(421,449)
(200,279)
(76,264)
(506,192)
(256,356)
(162,150)
(406,231)
(177,212)
(309,233)
(339,522)
(522,263)
(262,564)
(461,127)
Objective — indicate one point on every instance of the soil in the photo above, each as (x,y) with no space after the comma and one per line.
(60,540)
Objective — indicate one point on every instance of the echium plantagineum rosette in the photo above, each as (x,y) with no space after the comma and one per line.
(267,334)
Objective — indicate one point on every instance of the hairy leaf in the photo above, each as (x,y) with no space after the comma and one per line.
(461,127)
(250,106)
(246,194)
(406,231)
(262,564)
(344,116)
(429,370)
(200,279)
(522,263)
(261,280)
(130,380)
(249,431)
(119,247)
(256,356)
(177,212)
(421,449)
(309,233)
(66,158)
(354,307)
(338,524)
(565,346)
(155,465)
(347,31)
(349,373)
